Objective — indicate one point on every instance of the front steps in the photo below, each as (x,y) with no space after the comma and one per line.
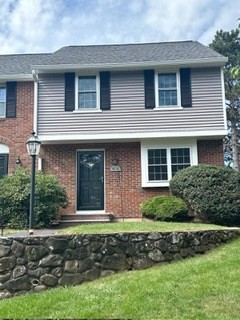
(70,220)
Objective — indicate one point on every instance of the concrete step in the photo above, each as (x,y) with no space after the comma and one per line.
(75,219)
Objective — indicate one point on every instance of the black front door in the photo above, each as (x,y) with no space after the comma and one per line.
(90,182)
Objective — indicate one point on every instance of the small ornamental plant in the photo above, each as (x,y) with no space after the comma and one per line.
(50,196)
(165,208)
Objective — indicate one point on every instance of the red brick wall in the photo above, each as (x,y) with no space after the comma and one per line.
(123,190)
(210,152)
(15,132)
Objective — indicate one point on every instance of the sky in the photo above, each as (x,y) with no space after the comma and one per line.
(31,26)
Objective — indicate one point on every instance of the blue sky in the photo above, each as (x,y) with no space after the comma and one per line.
(46,25)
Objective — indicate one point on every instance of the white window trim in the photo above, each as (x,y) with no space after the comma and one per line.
(97,109)
(165,144)
(4,148)
(178,91)
(4,116)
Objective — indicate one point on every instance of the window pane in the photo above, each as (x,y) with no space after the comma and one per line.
(3,165)
(167,97)
(180,159)
(157,164)
(87,92)
(2,101)
(167,80)
(157,173)
(87,83)
(86,100)
(2,109)
(157,156)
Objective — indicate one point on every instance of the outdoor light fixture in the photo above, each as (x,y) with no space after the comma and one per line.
(33,148)
(18,161)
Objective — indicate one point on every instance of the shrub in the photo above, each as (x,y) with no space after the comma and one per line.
(15,197)
(165,208)
(212,192)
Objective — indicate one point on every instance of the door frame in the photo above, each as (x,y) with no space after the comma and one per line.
(104,183)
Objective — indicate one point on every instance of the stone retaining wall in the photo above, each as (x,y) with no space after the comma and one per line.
(34,264)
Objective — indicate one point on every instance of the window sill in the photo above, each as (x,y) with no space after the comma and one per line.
(168,108)
(155,184)
(87,111)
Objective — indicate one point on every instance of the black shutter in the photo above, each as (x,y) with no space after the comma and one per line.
(186,93)
(105,101)
(3,165)
(69,91)
(149,89)
(11,99)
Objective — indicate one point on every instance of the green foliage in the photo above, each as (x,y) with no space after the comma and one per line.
(212,192)
(15,197)
(165,208)
(227,43)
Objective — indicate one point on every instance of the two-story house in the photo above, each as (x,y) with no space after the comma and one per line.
(116,122)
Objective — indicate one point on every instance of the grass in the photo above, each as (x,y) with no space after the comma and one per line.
(140,226)
(202,288)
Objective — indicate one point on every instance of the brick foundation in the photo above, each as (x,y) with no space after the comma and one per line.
(123,190)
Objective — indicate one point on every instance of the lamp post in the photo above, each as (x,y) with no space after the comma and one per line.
(33,148)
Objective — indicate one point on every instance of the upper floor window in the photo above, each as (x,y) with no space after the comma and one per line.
(2,102)
(168,89)
(88,92)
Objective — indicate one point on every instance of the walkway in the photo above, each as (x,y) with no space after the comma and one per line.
(37,232)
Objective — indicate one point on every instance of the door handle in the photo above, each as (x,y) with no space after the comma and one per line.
(100,179)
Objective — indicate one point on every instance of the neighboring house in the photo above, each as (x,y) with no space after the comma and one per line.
(116,122)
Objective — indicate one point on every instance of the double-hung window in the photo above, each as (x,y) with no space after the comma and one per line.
(88,92)
(168,89)
(2,102)
(160,162)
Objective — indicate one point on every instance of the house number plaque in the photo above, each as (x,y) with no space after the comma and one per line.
(115,168)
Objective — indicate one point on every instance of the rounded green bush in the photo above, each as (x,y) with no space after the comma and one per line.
(15,198)
(212,192)
(165,208)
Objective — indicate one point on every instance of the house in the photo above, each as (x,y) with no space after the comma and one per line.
(116,122)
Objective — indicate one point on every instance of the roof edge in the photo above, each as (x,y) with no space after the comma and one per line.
(220,61)
(16,77)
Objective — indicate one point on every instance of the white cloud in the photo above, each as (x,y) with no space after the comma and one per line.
(47,25)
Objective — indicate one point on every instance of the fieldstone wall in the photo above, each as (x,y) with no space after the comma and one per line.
(34,264)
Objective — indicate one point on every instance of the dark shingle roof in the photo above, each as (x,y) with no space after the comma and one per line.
(129,53)
(108,54)
(14,64)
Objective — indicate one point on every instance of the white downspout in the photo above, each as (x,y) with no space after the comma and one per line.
(35,103)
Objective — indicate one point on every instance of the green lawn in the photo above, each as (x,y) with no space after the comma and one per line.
(140,226)
(201,288)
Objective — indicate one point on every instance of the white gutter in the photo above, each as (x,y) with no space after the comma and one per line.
(16,77)
(224,99)
(220,61)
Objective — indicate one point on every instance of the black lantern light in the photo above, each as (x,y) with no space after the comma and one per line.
(33,148)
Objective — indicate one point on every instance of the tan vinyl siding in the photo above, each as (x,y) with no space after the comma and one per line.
(128,112)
